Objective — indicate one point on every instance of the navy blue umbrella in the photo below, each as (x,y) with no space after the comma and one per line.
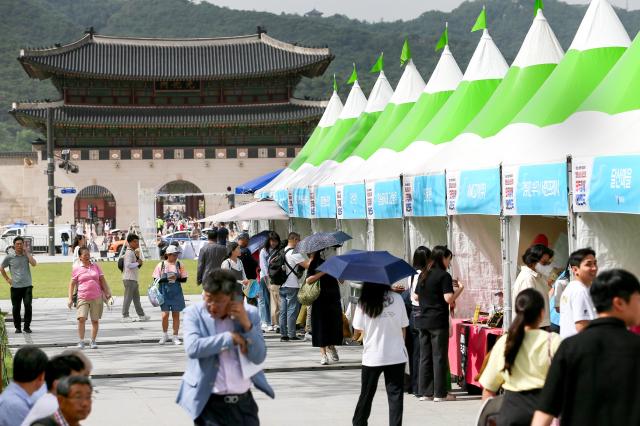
(258,241)
(368,266)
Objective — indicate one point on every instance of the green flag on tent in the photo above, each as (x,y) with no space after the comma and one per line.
(335,84)
(481,22)
(354,76)
(444,38)
(539,6)
(379,65)
(405,56)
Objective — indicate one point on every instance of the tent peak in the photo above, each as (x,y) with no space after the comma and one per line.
(409,87)
(600,27)
(355,103)
(487,63)
(446,75)
(540,46)
(380,94)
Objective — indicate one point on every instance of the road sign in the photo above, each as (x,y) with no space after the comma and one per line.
(68,191)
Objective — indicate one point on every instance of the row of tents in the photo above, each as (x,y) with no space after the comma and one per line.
(487,159)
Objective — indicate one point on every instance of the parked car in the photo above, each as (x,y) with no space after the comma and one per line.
(179,236)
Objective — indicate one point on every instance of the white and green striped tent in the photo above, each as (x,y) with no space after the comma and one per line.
(379,98)
(326,123)
(403,99)
(353,108)
(443,82)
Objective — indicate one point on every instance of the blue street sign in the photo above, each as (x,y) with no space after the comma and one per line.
(68,191)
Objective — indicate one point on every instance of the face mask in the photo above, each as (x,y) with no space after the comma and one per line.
(544,269)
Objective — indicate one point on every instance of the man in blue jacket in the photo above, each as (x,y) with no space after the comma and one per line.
(217,333)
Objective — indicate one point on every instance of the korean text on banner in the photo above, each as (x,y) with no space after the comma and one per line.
(301,203)
(473,192)
(353,201)
(282,198)
(425,195)
(535,190)
(384,199)
(325,202)
(606,184)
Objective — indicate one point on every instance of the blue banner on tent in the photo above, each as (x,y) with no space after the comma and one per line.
(474,192)
(325,202)
(425,195)
(607,184)
(384,199)
(353,201)
(301,203)
(282,198)
(535,190)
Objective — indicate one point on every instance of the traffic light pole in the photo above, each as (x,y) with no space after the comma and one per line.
(50,182)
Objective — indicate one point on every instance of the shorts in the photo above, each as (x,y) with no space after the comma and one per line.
(91,308)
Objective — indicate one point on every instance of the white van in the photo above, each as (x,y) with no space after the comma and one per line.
(39,234)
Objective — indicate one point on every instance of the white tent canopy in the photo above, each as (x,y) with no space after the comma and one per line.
(257,210)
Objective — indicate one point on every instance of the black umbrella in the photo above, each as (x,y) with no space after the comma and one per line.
(319,241)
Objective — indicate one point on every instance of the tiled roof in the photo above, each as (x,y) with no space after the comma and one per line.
(294,111)
(151,58)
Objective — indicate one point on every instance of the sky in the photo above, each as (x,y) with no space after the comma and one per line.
(370,10)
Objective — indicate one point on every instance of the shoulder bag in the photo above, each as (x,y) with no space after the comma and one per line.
(308,292)
(156,298)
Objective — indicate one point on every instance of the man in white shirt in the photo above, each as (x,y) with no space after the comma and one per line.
(289,290)
(576,306)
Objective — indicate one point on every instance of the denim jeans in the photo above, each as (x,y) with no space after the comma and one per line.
(264,302)
(288,311)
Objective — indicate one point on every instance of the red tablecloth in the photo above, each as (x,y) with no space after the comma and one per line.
(477,345)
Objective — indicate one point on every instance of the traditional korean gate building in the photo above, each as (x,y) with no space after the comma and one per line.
(146,112)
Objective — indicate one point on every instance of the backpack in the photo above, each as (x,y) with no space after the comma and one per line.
(121,262)
(279,269)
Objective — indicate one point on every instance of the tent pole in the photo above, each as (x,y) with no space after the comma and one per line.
(571,215)
(406,234)
(505,241)
(371,242)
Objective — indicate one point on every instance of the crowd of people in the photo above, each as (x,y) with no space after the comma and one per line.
(54,391)
(587,374)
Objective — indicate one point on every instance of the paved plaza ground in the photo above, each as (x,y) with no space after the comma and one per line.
(136,379)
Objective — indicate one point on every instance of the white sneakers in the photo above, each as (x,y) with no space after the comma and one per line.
(307,337)
(92,344)
(449,397)
(334,354)
(141,318)
(324,360)
(165,338)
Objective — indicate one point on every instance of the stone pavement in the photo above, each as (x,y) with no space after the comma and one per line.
(137,379)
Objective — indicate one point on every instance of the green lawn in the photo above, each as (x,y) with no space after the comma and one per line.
(52,279)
